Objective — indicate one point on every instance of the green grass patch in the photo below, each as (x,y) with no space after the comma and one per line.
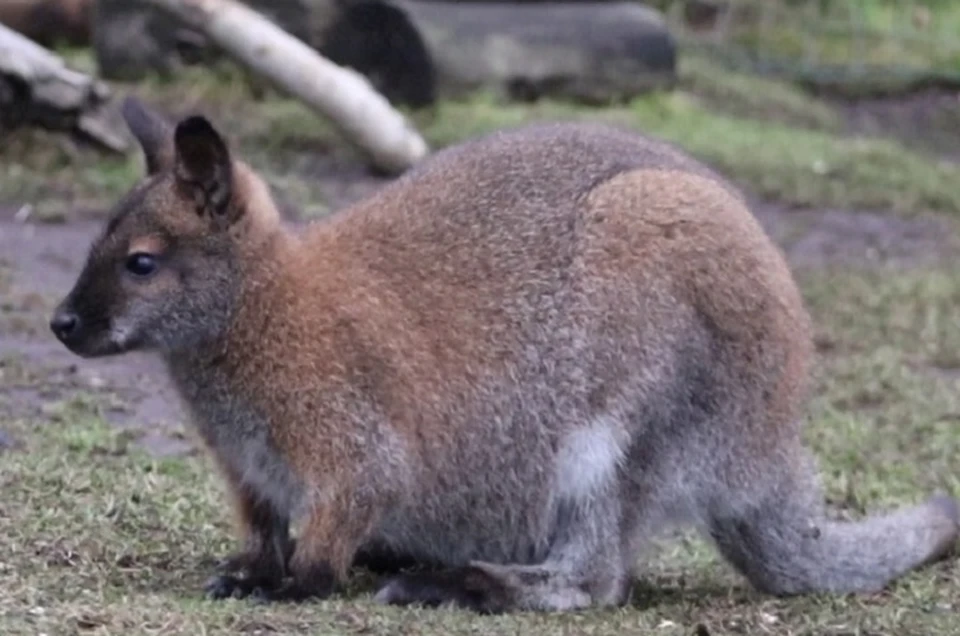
(52,173)
(772,138)
(754,97)
(96,537)
(852,48)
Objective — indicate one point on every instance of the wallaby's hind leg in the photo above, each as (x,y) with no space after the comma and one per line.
(583,568)
(783,543)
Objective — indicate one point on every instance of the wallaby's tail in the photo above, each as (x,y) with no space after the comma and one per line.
(784,544)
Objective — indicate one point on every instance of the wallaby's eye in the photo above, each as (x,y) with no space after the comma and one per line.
(141,264)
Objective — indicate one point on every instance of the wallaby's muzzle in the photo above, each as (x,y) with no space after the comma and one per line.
(64,325)
(85,335)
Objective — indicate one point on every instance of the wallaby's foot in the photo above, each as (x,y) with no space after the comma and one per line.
(491,589)
(242,574)
(467,588)
(224,586)
(583,568)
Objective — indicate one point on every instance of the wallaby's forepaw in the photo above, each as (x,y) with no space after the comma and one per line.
(315,583)
(225,586)
(467,587)
(230,586)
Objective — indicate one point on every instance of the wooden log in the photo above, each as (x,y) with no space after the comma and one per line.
(413,51)
(589,51)
(342,95)
(38,89)
(132,39)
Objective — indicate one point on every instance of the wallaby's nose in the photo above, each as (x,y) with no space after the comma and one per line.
(64,324)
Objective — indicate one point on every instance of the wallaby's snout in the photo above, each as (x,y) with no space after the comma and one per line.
(70,329)
(64,325)
(82,320)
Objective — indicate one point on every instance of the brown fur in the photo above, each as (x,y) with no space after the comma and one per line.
(519,361)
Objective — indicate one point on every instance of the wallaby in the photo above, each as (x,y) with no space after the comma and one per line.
(516,362)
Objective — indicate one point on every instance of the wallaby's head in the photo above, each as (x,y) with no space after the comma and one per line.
(165,272)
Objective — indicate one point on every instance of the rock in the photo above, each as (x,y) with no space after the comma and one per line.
(587,51)
(38,89)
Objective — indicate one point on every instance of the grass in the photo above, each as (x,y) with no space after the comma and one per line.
(852,48)
(754,97)
(772,138)
(99,538)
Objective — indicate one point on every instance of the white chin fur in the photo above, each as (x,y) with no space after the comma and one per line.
(120,335)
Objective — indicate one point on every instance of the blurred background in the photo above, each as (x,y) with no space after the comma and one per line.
(839,119)
(812,78)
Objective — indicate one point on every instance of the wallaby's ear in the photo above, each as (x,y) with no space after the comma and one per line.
(153,133)
(203,165)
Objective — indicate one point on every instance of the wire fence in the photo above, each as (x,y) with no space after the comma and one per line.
(826,42)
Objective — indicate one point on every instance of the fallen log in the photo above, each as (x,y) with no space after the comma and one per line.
(38,89)
(586,51)
(132,39)
(340,94)
(414,51)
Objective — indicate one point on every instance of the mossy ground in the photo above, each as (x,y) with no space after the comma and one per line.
(98,536)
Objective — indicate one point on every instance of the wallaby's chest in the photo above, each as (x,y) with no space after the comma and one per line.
(237,432)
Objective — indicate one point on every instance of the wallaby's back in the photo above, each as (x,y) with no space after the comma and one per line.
(573,241)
